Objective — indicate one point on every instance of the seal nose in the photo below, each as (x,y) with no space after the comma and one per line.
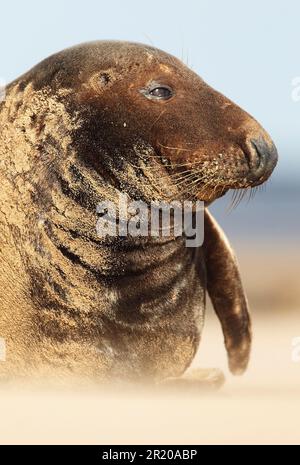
(262,157)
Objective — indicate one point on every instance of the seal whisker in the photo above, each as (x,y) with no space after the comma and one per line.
(157,119)
(238,198)
(168,165)
(206,185)
(250,194)
(232,201)
(187,188)
(183,149)
(185,179)
(241,193)
(254,191)
(172,164)
(193,185)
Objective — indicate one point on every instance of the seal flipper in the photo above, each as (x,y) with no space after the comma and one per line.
(226,292)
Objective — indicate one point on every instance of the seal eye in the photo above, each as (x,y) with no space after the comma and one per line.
(158,92)
(161,93)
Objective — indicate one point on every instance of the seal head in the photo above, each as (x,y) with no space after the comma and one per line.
(135,100)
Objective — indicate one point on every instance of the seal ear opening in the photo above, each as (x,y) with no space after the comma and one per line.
(226,292)
(103,80)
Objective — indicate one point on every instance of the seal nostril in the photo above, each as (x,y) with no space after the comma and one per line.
(252,155)
(263,156)
(258,156)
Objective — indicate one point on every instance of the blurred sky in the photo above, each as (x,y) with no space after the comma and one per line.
(247,50)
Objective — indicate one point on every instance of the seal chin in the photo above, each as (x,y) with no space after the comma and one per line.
(210,196)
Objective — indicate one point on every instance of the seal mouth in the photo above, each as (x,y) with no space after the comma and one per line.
(261,158)
(201,175)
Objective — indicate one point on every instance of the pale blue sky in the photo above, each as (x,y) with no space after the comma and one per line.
(247,50)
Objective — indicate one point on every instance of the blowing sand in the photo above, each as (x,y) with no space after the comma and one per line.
(261,407)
